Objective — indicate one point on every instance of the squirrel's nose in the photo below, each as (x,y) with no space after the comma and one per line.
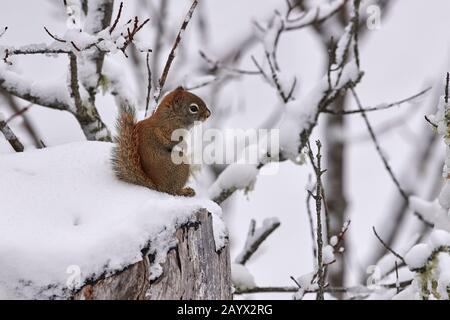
(208,113)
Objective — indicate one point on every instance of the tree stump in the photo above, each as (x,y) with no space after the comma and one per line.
(193,270)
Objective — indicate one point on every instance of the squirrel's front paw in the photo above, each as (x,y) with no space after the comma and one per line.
(187,192)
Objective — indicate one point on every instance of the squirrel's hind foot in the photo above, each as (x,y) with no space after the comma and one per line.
(187,192)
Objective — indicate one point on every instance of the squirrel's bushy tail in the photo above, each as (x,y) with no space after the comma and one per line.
(126,161)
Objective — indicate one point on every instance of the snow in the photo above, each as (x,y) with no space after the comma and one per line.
(220,230)
(418,256)
(241,277)
(431,211)
(255,234)
(67,211)
(444,196)
(318,12)
(343,44)
(432,284)
(386,264)
(54,92)
(328,254)
(301,114)
(271,33)
(236,175)
(306,284)
(73,11)
(439,238)
(115,76)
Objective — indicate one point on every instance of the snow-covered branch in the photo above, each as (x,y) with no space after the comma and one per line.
(256,237)
(86,43)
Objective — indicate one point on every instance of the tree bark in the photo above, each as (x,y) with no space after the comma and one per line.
(335,186)
(193,270)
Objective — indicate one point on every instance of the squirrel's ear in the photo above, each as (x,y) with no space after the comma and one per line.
(178,95)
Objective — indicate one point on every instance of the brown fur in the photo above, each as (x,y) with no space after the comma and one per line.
(142,154)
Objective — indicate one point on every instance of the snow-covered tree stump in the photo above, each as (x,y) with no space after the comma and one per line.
(193,270)
(88,235)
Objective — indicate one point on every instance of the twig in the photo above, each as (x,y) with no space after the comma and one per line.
(149,82)
(397,281)
(19,113)
(387,247)
(311,223)
(356,289)
(215,65)
(383,158)
(159,36)
(356,4)
(171,57)
(352,38)
(316,20)
(447,84)
(329,97)
(11,137)
(260,69)
(53,36)
(340,236)
(317,165)
(131,33)
(378,147)
(276,81)
(117,18)
(75,46)
(74,87)
(434,125)
(379,107)
(203,84)
(256,237)
(4,31)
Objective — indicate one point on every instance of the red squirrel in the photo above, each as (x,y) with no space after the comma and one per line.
(142,151)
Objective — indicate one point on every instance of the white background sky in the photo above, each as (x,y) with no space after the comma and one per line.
(410,48)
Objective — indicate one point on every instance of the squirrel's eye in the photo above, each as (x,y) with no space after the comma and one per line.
(193,108)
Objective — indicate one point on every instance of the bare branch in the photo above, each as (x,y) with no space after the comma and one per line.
(383,158)
(27,124)
(53,36)
(149,83)
(117,18)
(311,223)
(160,32)
(171,57)
(74,87)
(256,237)
(317,165)
(328,97)
(387,247)
(3,32)
(10,136)
(350,290)
(131,33)
(318,19)
(379,107)
(216,65)
(202,84)
(276,81)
